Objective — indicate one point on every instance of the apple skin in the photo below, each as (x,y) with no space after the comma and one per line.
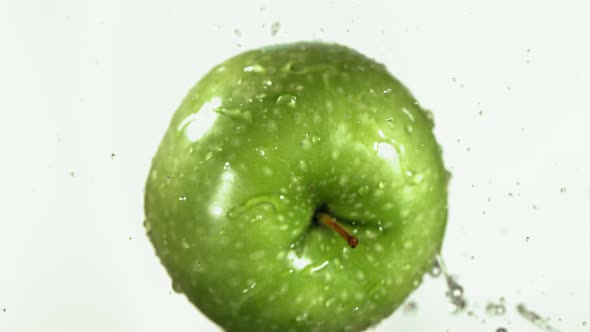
(257,146)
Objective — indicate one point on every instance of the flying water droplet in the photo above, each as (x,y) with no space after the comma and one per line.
(535,318)
(496,309)
(274,28)
(435,271)
(410,307)
(235,113)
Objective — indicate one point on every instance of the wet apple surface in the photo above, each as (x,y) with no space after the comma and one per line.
(264,153)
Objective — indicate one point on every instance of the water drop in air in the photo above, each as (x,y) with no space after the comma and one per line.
(274,28)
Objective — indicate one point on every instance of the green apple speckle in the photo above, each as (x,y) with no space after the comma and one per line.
(260,146)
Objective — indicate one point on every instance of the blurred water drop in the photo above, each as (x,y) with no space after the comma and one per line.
(535,318)
(496,309)
(113,155)
(435,271)
(287,99)
(147,226)
(274,28)
(176,287)
(410,307)
(364,190)
(255,68)
(563,189)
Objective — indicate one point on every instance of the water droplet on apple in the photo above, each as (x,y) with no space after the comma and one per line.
(235,113)
(184,243)
(267,82)
(148,226)
(176,287)
(274,28)
(409,129)
(262,202)
(287,99)
(364,190)
(347,115)
(182,198)
(255,68)
(414,177)
(303,317)
(226,166)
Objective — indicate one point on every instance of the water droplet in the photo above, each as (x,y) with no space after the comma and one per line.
(410,307)
(347,115)
(414,177)
(237,33)
(274,28)
(496,309)
(72,174)
(113,155)
(563,189)
(267,82)
(182,198)
(184,243)
(303,317)
(435,271)
(364,190)
(255,68)
(534,318)
(387,91)
(148,226)
(226,166)
(261,202)
(288,100)
(176,287)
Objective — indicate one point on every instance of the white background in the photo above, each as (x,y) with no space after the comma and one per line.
(507,81)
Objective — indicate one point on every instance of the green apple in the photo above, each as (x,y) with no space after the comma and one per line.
(272,159)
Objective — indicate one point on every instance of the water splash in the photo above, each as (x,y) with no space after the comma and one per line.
(535,318)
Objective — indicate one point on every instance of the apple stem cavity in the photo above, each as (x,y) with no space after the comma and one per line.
(331,222)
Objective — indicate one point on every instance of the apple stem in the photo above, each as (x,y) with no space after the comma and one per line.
(331,222)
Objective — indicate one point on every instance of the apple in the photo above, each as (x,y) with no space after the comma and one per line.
(299,187)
